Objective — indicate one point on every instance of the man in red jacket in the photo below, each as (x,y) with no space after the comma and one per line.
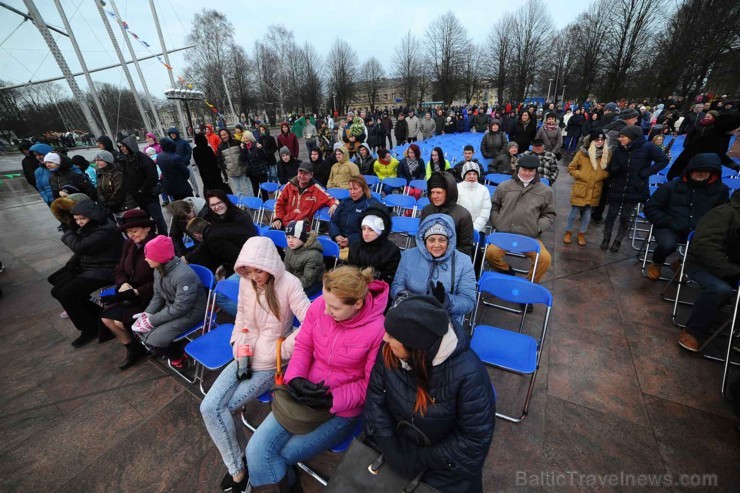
(301,198)
(288,139)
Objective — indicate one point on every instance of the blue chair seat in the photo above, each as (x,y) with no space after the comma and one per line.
(506,349)
(109,291)
(265,398)
(344,444)
(212,350)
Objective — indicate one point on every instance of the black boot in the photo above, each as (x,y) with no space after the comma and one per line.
(615,246)
(605,242)
(134,353)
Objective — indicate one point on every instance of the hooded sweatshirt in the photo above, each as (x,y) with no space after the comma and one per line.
(253,313)
(459,214)
(418,269)
(342,171)
(341,354)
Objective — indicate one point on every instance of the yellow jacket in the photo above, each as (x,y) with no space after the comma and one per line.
(383,171)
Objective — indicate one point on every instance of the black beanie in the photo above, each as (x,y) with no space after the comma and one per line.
(417,322)
(633,132)
(299,229)
(436,181)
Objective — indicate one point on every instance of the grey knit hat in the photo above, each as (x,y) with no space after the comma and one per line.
(284,150)
(468,167)
(437,229)
(105,156)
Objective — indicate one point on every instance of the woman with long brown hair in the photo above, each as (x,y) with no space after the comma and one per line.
(269,296)
(430,405)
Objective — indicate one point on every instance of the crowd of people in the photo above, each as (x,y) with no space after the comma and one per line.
(381,338)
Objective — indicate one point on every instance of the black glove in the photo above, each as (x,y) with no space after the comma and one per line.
(302,387)
(127,295)
(439,292)
(325,400)
(111,298)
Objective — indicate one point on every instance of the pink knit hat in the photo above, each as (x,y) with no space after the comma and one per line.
(160,249)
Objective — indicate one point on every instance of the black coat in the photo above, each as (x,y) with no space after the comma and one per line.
(221,246)
(401,131)
(233,215)
(175,173)
(381,254)
(679,204)
(207,165)
(71,177)
(373,135)
(141,173)
(704,139)
(630,168)
(29,165)
(286,171)
(716,244)
(459,424)
(524,136)
(96,246)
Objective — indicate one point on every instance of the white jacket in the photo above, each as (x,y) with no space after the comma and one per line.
(477,200)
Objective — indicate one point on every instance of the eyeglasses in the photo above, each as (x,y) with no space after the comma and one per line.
(216,205)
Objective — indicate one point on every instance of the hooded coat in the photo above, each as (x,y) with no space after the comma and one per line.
(460,216)
(524,134)
(365,165)
(589,173)
(493,143)
(253,313)
(716,244)
(477,201)
(220,247)
(630,168)
(141,173)
(381,254)
(307,261)
(214,140)
(182,147)
(714,139)
(175,173)
(680,204)
(65,176)
(459,423)
(157,148)
(97,245)
(347,217)
(207,165)
(341,354)
(321,168)
(342,171)
(454,270)
(41,174)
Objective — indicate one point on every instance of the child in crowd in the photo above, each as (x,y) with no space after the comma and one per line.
(304,257)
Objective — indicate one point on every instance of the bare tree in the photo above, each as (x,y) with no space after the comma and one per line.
(239,78)
(274,58)
(500,48)
(472,71)
(531,31)
(631,25)
(406,64)
(372,74)
(341,65)
(446,41)
(310,87)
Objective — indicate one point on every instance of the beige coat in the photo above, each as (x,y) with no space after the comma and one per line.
(342,171)
(589,173)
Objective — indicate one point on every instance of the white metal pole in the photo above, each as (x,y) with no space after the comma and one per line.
(180,114)
(228,96)
(90,84)
(54,48)
(138,68)
(126,71)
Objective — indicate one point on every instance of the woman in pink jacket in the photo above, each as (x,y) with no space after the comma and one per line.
(334,354)
(268,298)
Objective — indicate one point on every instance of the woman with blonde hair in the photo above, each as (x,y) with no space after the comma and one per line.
(333,355)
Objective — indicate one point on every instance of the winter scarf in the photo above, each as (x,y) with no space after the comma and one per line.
(595,153)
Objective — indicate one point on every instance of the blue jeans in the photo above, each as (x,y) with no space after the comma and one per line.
(224,302)
(241,186)
(273,449)
(666,242)
(226,396)
(714,293)
(585,217)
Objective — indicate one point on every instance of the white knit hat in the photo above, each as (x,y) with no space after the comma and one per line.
(437,229)
(470,166)
(374,222)
(52,157)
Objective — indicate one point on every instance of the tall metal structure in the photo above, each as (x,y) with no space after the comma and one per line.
(54,48)
(180,115)
(90,84)
(138,69)
(124,67)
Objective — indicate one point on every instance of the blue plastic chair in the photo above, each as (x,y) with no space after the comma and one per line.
(267,206)
(421,203)
(278,238)
(213,350)
(376,196)
(545,181)
(407,226)
(491,189)
(207,279)
(418,184)
(655,180)
(338,193)
(400,203)
(270,187)
(372,181)
(234,199)
(320,215)
(393,183)
(496,178)
(513,244)
(511,351)
(253,204)
(331,248)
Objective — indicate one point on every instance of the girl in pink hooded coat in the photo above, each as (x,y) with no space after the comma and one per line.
(269,296)
(334,354)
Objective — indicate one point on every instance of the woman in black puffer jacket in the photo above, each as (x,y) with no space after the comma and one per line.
(374,248)
(426,374)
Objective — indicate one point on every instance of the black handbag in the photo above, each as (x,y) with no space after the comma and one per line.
(363,470)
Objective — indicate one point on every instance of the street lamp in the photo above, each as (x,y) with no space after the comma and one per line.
(549,84)
(185,95)
(562,97)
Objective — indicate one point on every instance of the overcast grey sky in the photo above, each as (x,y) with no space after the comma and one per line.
(373,28)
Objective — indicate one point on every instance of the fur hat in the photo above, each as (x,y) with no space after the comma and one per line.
(135,218)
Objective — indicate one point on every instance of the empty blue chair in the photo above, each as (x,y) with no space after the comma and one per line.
(508,350)
(269,187)
(338,193)
(372,181)
(497,178)
(253,204)
(278,238)
(392,183)
(234,200)
(321,215)
(267,206)
(400,203)
(377,196)
(421,203)
(330,247)
(407,226)
(491,189)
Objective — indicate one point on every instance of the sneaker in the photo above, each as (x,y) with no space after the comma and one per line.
(688,342)
(63,315)
(182,363)
(227,484)
(653,272)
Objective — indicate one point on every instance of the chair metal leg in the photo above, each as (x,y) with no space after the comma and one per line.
(733,328)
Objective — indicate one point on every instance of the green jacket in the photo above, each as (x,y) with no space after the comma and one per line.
(306,262)
(716,243)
